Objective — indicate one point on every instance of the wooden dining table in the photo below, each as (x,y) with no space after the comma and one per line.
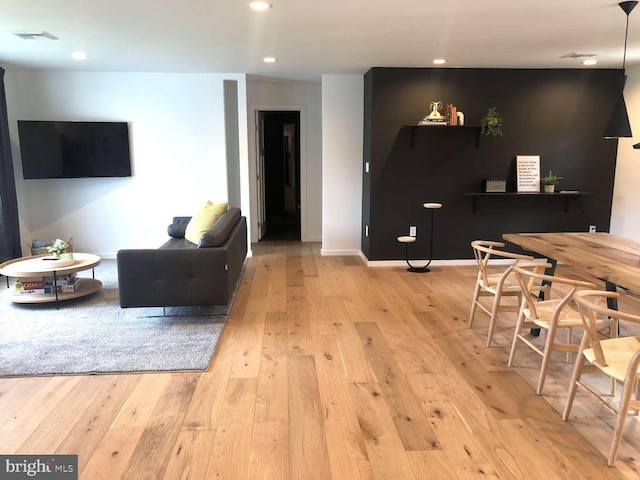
(611,258)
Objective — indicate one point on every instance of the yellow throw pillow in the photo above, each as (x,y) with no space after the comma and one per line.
(203,220)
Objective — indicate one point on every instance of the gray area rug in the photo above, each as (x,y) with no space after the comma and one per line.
(94,335)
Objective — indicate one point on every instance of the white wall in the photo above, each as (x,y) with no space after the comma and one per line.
(177,139)
(232,142)
(625,220)
(342,154)
(269,94)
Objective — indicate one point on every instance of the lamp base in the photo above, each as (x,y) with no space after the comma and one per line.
(418,270)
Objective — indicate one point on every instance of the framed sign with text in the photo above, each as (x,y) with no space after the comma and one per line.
(528,173)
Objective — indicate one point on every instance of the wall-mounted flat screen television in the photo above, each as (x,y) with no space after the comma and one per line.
(53,149)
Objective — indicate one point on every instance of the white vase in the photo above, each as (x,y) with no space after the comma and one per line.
(549,188)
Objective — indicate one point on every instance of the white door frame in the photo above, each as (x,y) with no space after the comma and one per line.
(261,211)
(253,162)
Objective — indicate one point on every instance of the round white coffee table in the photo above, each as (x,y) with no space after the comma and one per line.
(38,266)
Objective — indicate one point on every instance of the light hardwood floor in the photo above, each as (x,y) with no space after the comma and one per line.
(329,369)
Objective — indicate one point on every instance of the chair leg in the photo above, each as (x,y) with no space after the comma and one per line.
(474,303)
(546,357)
(575,377)
(569,341)
(623,408)
(613,333)
(516,337)
(494,317)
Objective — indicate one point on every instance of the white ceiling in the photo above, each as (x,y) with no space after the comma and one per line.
(311,38)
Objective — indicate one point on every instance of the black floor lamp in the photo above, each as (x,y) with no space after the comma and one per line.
(408,239)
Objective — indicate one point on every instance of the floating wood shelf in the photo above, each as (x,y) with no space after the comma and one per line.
(461,128)
(566,195)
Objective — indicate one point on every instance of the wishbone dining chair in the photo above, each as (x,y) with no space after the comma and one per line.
(497,285)
(619,358)
(549,314)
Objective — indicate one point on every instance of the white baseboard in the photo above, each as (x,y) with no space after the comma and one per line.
(436,263)
(419,263)
(342,253)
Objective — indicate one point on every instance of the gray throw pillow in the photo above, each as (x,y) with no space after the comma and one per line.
(219,232)
(178,227)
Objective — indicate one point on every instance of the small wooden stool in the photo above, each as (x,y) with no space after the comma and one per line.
(407,240)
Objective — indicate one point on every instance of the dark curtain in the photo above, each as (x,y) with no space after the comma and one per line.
(9,227)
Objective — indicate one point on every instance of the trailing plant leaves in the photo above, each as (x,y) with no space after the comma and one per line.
(492,123)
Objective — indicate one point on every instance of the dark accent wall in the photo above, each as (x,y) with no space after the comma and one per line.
(557,114)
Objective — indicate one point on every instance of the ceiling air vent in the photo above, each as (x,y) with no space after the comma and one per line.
(36,35)
(578,55)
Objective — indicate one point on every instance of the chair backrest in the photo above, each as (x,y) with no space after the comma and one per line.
(483,250)
(590,304)
(531,275)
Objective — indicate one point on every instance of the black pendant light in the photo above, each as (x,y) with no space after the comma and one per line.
(619,126)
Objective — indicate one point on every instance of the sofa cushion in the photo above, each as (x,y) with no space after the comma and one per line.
(203,220)
(175,243)
(219,232)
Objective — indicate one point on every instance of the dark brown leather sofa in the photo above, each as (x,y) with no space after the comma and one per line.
(180,273)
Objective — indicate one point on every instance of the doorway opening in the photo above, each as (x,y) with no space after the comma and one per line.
(279,175)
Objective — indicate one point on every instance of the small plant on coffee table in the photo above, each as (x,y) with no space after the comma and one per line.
(58,247)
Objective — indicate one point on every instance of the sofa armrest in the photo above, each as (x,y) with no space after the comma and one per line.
(178,227)
(219,232)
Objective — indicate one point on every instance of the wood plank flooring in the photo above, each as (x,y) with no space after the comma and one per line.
(328,369)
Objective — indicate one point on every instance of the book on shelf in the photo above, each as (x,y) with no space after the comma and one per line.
(446,111)
(433,121)
(31,286)
(33,291)
(28,285)
(64,279)
(70,288)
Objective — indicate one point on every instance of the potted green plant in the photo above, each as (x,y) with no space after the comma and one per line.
(550,181)
(492,123)
(59,247)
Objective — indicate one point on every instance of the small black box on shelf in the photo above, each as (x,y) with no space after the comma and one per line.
(494,185)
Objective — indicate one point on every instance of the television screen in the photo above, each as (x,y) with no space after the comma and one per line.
(74,149)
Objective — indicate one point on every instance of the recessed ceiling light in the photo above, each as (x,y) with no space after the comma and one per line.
(79,56)
(590,61)
(269,59)
(41,35)
(439,61)
(260,6)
